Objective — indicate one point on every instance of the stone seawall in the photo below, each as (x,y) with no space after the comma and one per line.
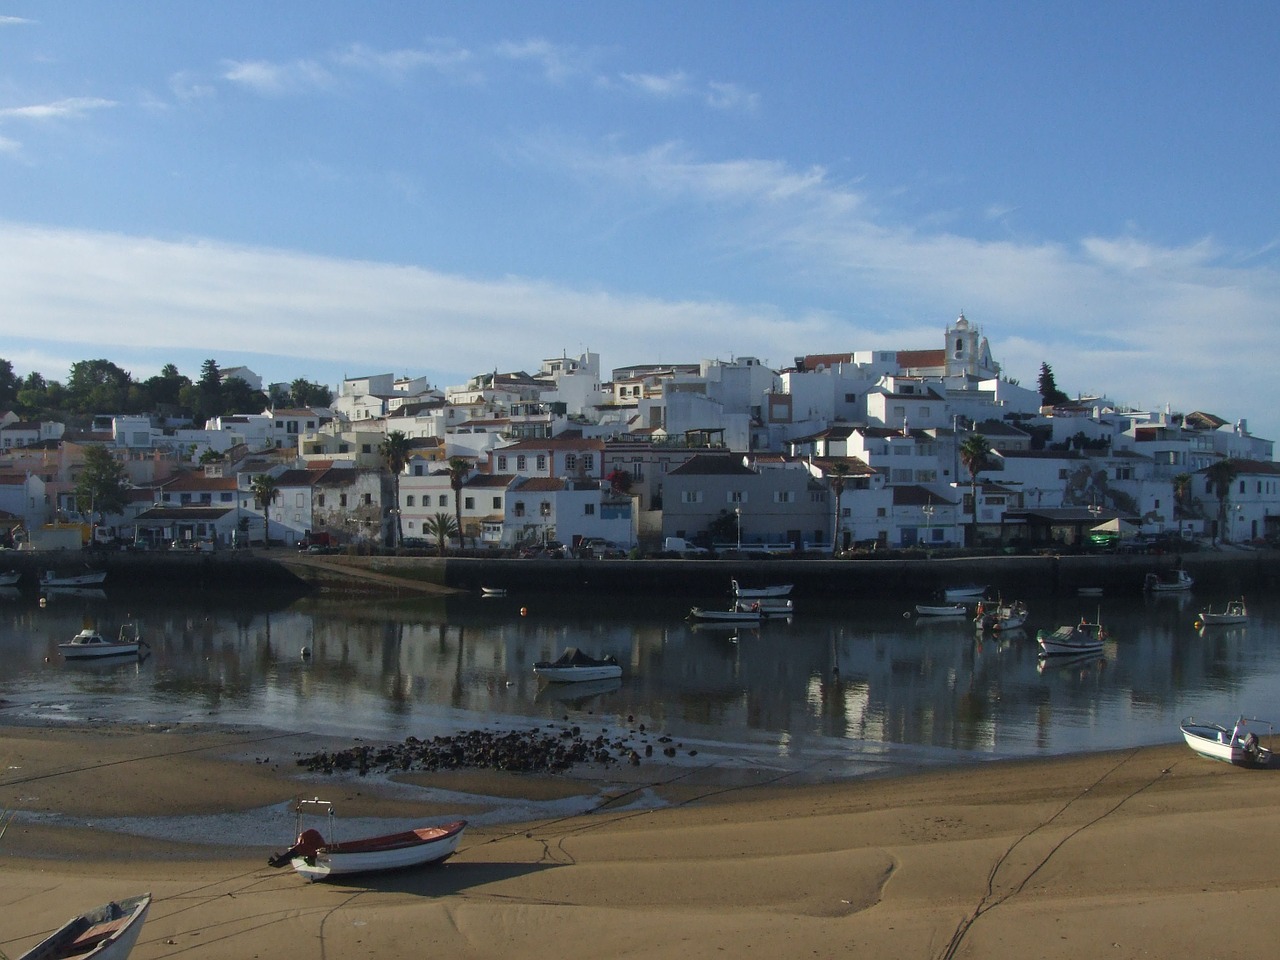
(1220,573)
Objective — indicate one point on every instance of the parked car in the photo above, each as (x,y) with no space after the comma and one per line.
(551,550)
(600,549)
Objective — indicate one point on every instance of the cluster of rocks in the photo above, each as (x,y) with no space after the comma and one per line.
(522,751)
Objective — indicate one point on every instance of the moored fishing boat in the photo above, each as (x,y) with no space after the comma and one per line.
(574,666)
(1234,612)
(1072,640)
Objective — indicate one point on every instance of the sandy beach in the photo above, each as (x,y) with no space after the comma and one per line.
(1144,853)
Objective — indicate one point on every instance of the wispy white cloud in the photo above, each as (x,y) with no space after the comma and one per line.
(277,79)
(558,62)
(674,84)
(443,57)
(16,21)
(186,85)
(69,108)
(730,96)
(9,146)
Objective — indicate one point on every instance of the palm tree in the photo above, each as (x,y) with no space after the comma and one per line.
(836,477)
(458,469)
(265,489)
(1221,474)
(975,454)
(1181,497)
(394,451)
(442,527)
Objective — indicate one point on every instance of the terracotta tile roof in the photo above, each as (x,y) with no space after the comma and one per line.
(921,358)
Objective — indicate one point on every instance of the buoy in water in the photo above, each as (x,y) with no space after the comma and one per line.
(306,653)
(43,601)
(524,611)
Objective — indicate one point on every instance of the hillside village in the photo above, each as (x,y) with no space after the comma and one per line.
(931,448)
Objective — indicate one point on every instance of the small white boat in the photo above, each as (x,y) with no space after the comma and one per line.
(758,593)
(1084,637)
(10,578)
(1172,581)
(1000,616)
(315,858)
(90,643)
(732,615)
(92,579)
(574,666)
(1234,612)
(1239,745)
(767,607)
(493,592)
(107,932)
(942,610)
(970,591)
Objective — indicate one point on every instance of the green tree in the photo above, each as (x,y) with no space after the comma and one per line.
(441,526)
(394,451)
(103,486)
(304,393)
(97,386)
(837,476)
(265,490)
(459,467)
(8,383)
(1050,395)
(238,397)
(1221,474)
(975,454)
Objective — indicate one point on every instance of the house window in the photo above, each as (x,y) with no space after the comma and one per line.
(367,499)
(522,463)
(784,496)
(443,500)
(299,500)
(469,503)
(570,461)
(542,462)
(408,501)
(497,503)
(588,461)
(519,508)
(589,509)
(880,511)
(502,464)
(320,500)
(366,448)
(544,508)
(691,496)
(737,496)
(417,470)
(342,499)
(846,512)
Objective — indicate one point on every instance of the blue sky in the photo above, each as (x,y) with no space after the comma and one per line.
(330,189)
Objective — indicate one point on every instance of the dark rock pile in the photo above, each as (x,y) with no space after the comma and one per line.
(522,751)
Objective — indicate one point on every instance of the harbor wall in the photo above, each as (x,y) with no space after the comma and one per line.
(1219,573)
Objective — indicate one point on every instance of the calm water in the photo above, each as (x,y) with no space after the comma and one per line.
(841,680)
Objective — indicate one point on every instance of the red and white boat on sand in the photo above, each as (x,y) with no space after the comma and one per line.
(315,858)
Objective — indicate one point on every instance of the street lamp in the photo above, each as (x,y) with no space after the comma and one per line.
(737,512)
(927,510)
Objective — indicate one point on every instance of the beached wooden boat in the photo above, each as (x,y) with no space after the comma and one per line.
(107,932)
(732,615)
(942,610)
(91,644)
(1234,612)
(1000,616)
(758,593)
(1084,637)
(1239,745)
(92,579)
(574,666)
(1172,581)
(315,858)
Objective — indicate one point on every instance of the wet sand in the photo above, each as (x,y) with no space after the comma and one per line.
(1144,853)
